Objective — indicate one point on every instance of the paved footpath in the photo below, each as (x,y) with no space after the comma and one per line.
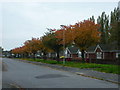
(84,72)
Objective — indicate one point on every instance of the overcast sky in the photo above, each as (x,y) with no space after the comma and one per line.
(22,21)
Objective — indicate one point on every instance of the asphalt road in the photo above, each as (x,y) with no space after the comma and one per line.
(27,75)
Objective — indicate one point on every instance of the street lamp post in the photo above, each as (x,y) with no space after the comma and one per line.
(63,43)
(64,46)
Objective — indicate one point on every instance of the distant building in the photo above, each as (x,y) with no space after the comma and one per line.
(6,54)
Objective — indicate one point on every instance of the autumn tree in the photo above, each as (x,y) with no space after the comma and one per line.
(16,52)
(43,49)
(83,34)
(32,46)
(86,35)
(66,35)
(50,41)
(23,51)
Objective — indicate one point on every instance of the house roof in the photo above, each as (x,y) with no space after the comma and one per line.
(108,47)
(92,48)
(113,47)
(73,49)
(105,47)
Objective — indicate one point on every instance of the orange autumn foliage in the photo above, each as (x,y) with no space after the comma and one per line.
(84,34)
(32,46)
(66,34)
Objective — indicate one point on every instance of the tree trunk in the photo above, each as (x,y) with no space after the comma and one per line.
(26,55)
(34,56)
(82,54)
(58,56)
(44,55)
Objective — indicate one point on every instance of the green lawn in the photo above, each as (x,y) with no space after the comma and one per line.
(97,67)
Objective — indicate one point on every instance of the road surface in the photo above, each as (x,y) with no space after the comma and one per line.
(27,75)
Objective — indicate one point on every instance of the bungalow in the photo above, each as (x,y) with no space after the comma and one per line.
(71,52)
(102,51)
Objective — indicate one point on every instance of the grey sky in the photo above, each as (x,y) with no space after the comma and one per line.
(22,21)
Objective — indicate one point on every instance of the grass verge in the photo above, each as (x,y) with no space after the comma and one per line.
(97,67)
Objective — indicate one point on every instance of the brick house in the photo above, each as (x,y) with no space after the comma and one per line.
(72,52)
(102,51)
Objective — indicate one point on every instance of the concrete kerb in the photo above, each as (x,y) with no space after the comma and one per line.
(97,78)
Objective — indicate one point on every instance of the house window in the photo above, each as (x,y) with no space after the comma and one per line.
(116,55)
(79,54)
(49,54)
(99,55)
(66,52)
(103,55)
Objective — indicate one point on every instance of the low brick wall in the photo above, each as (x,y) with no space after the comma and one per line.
(105,61)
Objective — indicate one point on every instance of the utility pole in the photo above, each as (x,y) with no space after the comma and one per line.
(63,43)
